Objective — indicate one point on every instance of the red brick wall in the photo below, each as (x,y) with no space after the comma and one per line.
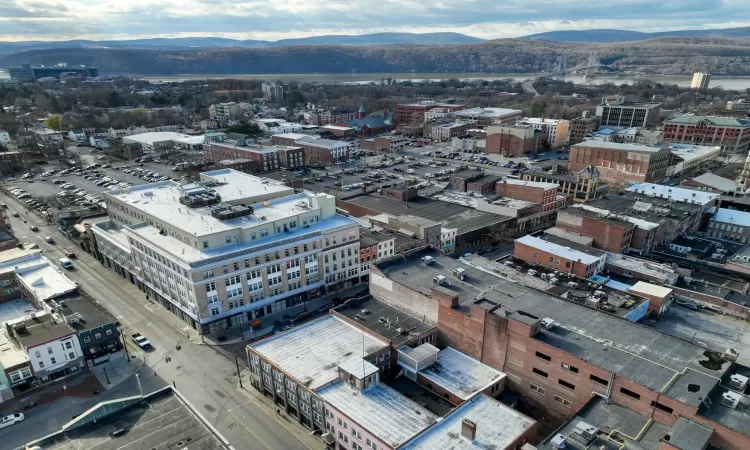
(280,140)
(512,145)
(457,329)
(607,236)
(521,192)
(527,253)
(317,155)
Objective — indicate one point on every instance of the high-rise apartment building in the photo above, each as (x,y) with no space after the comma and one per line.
(618,112)
(228,249)
(273,92)
(700,81)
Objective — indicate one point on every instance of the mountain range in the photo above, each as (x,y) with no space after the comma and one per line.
(664,56)
(605,35)
(215,42)
(374,39)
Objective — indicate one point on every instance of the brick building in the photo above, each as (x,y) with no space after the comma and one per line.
(266,159)
(460,180)
(621,163)
(580,187)
(558,354)
(483,185)
(411,113)
(581,261)
(609,233)
(581,127)
(729,225)
(514,140)
(291,157)
(732,135)
(442,132)
(530,191)
(332,116)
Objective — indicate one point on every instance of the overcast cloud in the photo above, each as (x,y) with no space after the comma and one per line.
(273,19)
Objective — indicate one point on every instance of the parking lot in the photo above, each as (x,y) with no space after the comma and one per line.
(81,187)
(707,328)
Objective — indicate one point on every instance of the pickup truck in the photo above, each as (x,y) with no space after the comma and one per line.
(141,340)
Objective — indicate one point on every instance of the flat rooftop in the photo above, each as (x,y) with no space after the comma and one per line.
(195,256)
(77,302)
(162,200)
(450,215)
(673,193)
(381,410)
(562,251)
(10,355)
(383,319)
(642,354)
(497,427)
(311,353)
(535,184)
(607,417)
(460,374)
(491,112)
(642,266)
(149,139)
(731,217)
(41,330)
(45,280)
(717,182)
(163,420)
(622,147)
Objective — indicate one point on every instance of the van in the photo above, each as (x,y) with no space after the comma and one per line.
(65,263)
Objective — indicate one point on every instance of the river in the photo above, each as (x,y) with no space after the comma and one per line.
(733,83)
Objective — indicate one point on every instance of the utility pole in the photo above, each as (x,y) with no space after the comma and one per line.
(124,346)
(239,375)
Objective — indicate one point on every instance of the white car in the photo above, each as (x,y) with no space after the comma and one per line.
(11,419)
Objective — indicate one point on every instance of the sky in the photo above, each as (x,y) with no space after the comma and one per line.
(23,20)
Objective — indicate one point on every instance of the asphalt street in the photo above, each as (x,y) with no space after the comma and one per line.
(207,376)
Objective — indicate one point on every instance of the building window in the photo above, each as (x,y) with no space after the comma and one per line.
(661,407)
(109,332)
(53,360)
(71,356)
(630,393)
(596,379)
(41,364)
(563,401)
(565,384)
(536,389)
(49,350)
(86,340)
(68,345)
(543,356)
(541,373)
(98,336)
(567,366)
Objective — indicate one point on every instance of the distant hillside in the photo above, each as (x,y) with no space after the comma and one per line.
(666,56)
(383,39)
(604,35)
(213,42)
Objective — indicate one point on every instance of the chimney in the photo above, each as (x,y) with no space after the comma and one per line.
(469,430)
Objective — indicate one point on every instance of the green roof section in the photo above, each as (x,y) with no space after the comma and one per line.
(710,120)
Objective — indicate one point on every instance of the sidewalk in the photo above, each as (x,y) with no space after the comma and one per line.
(81,385)
(290,424)
(276,321)
(118,369)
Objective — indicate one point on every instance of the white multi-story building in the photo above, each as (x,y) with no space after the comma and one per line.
(228,249)
(273,92)
(224,111)
(4,137)
(557,129)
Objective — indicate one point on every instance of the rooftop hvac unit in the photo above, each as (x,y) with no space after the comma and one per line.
(359,317)
(731,399)
(548,323)
(460,273)
(731,354)
(572,284)
(738,382)
(427,260)
(401,331)
(439,280)
(365,311)
(587,431)
(558,441)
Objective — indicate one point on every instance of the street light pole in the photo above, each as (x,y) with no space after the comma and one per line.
(239,375)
